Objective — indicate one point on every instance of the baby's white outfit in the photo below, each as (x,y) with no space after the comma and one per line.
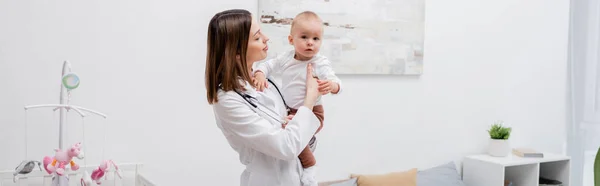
(293,77)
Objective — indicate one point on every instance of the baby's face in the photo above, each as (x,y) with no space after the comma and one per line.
(306,37)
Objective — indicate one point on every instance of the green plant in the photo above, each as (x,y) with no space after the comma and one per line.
(497,131)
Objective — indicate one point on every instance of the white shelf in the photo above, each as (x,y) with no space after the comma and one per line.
(485,170)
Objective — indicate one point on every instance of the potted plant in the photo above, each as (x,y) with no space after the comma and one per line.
(499,145)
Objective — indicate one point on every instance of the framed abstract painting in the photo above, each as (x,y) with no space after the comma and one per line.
(360,37)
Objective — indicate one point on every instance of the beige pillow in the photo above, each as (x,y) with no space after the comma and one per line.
(404,178)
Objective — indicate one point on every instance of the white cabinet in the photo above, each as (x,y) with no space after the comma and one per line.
(485,170)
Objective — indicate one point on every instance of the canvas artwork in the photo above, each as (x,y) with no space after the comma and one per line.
(360,37)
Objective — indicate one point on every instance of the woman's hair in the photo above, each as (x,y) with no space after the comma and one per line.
(228,33)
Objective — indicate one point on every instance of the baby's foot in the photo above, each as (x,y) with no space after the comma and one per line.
(309,176)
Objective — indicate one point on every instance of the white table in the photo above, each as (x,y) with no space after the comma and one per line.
(486,170)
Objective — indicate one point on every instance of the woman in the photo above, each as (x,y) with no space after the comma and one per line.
(255,123)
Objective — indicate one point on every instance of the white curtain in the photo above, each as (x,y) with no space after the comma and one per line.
(584,59)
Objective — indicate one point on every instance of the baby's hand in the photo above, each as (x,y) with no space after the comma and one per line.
(260,81)
(327,86)
(287,119)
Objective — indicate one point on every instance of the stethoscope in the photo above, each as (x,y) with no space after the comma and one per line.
(255,104)
(312,143)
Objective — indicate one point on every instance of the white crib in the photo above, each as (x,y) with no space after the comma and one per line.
(131,176)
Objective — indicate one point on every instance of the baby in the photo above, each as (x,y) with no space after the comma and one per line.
(305,35)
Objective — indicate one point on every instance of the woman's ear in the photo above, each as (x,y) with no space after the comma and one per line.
(237,57)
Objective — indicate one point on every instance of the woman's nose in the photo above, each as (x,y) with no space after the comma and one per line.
(266,39)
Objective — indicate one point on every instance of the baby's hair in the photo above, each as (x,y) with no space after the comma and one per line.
(306,16)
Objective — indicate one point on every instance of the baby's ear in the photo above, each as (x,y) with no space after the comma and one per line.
(291,39)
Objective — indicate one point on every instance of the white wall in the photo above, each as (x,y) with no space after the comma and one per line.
(484,60)
(142,63)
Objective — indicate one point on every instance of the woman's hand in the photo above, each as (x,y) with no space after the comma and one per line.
(312,88)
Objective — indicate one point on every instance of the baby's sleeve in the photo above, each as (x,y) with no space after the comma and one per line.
(325,71)
(269,66)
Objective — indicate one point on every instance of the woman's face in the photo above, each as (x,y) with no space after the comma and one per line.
(257,44)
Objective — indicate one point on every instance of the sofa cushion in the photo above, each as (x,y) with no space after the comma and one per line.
(404,178)
(348,182)
(445,174)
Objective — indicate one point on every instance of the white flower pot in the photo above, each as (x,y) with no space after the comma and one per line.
(499,148)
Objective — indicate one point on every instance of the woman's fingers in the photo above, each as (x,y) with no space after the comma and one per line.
(311,82)
(309,71)
(312,88)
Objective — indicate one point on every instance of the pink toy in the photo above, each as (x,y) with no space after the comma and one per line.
(98,173)
(62,158)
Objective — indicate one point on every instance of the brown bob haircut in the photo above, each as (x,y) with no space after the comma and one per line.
(228,33)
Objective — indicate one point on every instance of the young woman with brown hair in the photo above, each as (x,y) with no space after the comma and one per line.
(255,123)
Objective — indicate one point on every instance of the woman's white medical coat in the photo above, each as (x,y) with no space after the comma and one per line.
(269,152)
